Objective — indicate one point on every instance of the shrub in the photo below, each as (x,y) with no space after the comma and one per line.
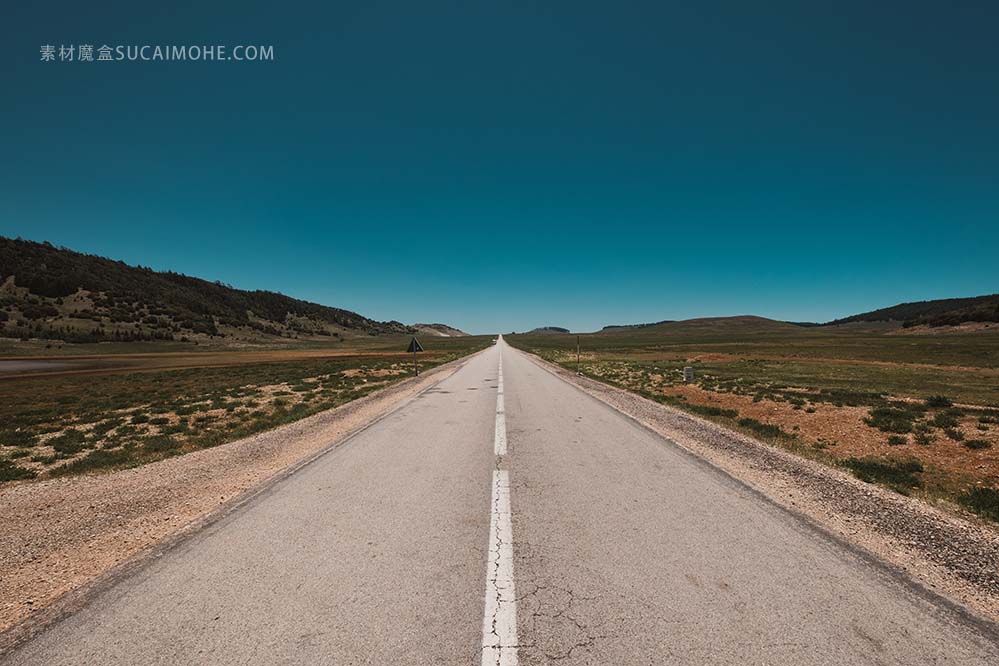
(764,429)
(891,419)
(104,427)
(69,442)
(897,440)
(12,472)
(899,475)
(938,401)
(954,434)
(709,410)
(978,444)
(946,419)
(924,438)
(17,438)
(983,501)
(209,439)
(161,444)
(100,459)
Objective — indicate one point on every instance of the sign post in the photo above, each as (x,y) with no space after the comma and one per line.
(415,346)
(578,371)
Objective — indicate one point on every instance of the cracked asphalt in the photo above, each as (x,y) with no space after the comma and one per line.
(626,550)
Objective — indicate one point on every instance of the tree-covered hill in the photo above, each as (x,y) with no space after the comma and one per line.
(56,293)
(942,312)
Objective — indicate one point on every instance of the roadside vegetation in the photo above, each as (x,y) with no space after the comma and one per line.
(917,414)
(72,423)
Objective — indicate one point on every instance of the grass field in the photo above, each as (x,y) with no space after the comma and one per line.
(354,341)
(917,413)
(120,410)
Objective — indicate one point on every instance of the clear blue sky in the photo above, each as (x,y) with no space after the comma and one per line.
(499,166)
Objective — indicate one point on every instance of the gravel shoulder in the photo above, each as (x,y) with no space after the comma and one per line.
(949,555)
(63,537)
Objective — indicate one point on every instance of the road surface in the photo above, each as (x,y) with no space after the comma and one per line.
(505,517)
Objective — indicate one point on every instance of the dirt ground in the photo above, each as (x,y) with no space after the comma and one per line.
(843,433)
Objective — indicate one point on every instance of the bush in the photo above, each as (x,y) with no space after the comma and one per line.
(938,401)
(924,438)
(954,434)
(899,475)
(100,459)
(891,419)
(161,444)
(104,427)
(983,501)
(11,472)
(764,429)
(978,444)
(946,419)
(17,438)
(209,439)
(69,442)
(709,410)
(897,440)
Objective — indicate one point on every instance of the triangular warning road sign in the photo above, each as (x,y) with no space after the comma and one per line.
(414,346)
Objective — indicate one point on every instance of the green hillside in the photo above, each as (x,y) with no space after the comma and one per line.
(55,293)
(942,312)
(705,326)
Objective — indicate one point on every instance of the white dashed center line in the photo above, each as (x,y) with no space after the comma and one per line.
(499,623)
(500,441)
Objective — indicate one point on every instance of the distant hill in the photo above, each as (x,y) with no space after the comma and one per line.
(943,312)
(56,293)
(548,329)
(740,324)
(614,328)
(440,330)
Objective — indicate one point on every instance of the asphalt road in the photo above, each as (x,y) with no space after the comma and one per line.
(531,526)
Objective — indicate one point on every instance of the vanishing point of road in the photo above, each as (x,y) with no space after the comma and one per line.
(505,517)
